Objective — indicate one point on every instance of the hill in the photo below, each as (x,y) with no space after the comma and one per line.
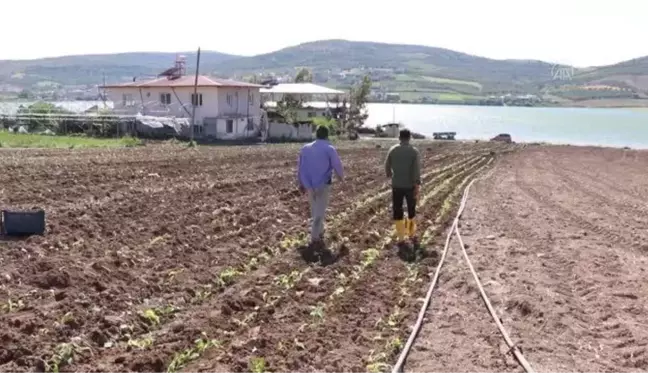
(90,69)
(415,72)
(414,60)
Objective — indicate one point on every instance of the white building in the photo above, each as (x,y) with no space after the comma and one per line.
(225,109)
(316,99)
(315,103)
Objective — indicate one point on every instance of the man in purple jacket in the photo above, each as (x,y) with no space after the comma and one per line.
(317,161)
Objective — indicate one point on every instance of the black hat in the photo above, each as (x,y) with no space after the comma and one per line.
(322,132)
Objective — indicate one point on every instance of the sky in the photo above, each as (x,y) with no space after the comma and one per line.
(573,32)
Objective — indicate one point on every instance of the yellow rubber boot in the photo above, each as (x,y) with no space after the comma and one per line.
(411,228)
(400,229)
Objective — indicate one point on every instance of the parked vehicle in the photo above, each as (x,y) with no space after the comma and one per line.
(503,137)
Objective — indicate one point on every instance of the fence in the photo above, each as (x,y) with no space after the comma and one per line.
(109,125)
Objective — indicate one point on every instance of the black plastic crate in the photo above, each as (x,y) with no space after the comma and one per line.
(23,223)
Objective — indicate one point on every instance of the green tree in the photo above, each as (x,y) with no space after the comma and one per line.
(329,123)
(304,76)
(288,106)
(41,120)
(24,95)
(357,113)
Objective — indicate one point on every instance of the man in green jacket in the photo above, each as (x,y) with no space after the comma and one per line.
(403,166)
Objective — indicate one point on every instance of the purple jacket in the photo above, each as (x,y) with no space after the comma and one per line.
(317,161)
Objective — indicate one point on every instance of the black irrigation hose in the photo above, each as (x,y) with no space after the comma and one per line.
(454,229)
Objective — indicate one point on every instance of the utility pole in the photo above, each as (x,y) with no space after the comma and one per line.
(194,100)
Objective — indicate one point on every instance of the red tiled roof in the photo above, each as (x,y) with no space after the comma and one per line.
(184,81)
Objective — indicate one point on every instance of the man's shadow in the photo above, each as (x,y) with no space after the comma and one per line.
(319,252)
(413,251)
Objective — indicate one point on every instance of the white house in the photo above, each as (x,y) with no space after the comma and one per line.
(224,109)
(309,93)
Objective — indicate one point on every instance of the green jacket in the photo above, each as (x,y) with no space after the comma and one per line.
(403,165)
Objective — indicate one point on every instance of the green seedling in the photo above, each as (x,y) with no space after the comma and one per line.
(412,273)
(151,317)
(395,345)
(200,296)
(141,344)
(377,367)
(317,311)
(63,355)
(264,257)
(288,242)
(246,320)
(394,318)
(166,310)
(377,363)
(370,256)
(251,265)
(156,240)
(11,306)
(338,291)
(180,359)
(172,274)
(67,319)
(288,281)
(227,277)
(257,365)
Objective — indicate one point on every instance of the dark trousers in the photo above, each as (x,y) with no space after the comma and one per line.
(400,194)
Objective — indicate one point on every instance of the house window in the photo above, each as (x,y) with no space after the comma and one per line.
(127,99)
(165,98)
(312,114)
(230,99)
(229,126)
(198,130)
(250,125)
(251,99)
(196,102)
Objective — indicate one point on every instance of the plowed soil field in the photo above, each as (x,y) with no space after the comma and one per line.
(163,258)
(558,238)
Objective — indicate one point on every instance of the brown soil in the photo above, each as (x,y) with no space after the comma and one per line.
(149,250)
(557,236)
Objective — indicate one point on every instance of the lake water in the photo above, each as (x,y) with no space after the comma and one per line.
(576,126)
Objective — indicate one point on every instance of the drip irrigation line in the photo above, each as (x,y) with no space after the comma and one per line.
(512,346)
(454,229)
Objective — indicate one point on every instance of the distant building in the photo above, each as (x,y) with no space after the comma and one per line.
(316,98)
(224,109)
(392,97)
(316,102)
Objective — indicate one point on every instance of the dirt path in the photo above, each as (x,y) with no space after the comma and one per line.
(557,235)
